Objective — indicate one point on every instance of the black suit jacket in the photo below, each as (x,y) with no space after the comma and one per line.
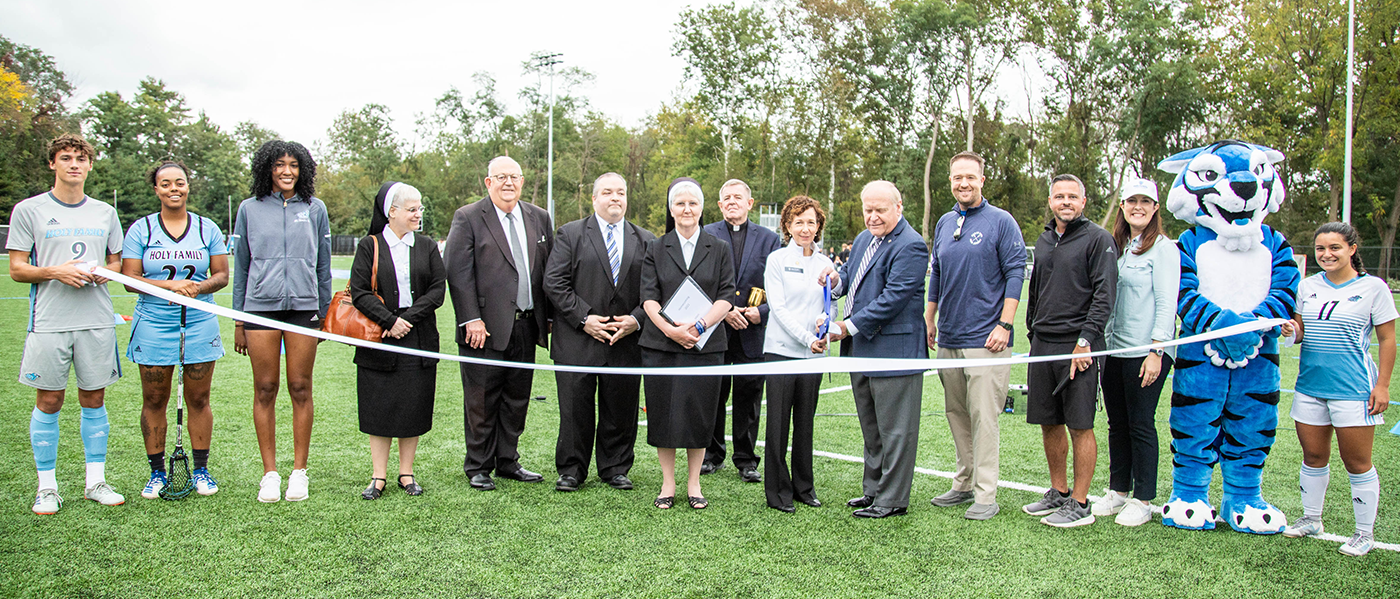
(748,273)
(481,272)
(427,279)
(664,270)
(578,281)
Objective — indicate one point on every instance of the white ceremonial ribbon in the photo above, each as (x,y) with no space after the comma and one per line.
(803,366)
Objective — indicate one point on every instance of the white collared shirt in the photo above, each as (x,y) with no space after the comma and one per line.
(617,236)
(688,245)
(522,269)
(398,254)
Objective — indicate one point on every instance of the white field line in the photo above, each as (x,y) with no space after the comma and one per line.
(1006,484)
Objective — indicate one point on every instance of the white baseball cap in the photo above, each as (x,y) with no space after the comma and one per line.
(1139,187)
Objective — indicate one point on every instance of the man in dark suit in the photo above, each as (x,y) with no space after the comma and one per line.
(496,254)
(593,278)
(883,283)
(750,245)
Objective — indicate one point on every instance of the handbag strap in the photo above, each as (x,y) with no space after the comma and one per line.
(373,273)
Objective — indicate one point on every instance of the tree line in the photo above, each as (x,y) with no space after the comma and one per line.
(817,97)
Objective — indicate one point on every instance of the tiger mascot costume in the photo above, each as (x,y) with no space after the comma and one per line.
(1234,269)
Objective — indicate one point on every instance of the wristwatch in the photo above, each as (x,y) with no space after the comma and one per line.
(1082,342)
(1157,351)
(1003,324)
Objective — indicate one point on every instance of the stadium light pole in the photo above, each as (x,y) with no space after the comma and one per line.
(549,60)
(1351,58)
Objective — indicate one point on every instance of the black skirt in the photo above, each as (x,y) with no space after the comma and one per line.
(681,410)
(396,403)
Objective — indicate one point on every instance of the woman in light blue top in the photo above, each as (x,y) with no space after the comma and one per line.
(1149,277)
(798,304)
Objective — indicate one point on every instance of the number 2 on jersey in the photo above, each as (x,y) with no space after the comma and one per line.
(170,271)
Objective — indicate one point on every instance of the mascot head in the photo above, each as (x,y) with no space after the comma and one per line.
(1228,187)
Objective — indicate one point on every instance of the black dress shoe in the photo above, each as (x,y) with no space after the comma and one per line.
(709,468)
(566,483)
(877,511)
(786,509)
(862,501)
(522,475)
(483,482)
(750,475)
(620,482)
(811,501)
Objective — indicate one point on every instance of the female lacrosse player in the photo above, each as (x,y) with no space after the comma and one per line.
(185,253)
(1339,387)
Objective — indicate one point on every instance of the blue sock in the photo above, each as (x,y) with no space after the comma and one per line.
(43,436)
(94,428)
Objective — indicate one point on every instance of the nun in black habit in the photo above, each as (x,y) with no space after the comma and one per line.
(395,390)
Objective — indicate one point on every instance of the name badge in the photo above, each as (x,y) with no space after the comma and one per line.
(796,269)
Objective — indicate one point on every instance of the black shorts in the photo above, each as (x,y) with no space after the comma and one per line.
(301,318)
(1073,405)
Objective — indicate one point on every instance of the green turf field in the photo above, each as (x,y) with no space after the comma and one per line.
(526,540)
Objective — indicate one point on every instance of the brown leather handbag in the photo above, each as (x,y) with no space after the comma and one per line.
(342,318)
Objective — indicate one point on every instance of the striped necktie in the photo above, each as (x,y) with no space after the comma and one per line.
(860,274)
(614,256)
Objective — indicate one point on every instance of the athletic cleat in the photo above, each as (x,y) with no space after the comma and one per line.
(204,483)
(158,481)
(270,488)
(296,485)
(1111,504)
(1358,545)
(1070,515)
(47,502)
(104,494)
(1051,501)
(1307,526)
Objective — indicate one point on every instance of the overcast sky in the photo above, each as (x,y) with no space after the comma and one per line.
(293,66)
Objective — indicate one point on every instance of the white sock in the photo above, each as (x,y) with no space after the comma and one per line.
(1365,494)
(1313,483)
(96,473)
(47,480)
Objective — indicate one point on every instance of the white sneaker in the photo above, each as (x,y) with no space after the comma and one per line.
(1360,544)
(104,494)
(47,502)
(1307,526)
(270,488)
(296,485)
(1134,513)
(1110,504)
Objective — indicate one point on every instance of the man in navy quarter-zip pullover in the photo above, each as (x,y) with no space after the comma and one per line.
(978,266)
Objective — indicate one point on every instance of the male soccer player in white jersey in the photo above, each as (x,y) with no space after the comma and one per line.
(54,240)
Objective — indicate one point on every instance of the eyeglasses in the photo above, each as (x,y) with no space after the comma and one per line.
(414,210)
(957,233)
(505,178)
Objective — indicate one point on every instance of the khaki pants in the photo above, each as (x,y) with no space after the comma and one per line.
(973,398)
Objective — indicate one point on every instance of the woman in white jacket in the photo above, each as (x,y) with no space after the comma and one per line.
(799,306)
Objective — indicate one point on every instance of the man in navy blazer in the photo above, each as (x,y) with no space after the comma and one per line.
(750,245)
(883,283)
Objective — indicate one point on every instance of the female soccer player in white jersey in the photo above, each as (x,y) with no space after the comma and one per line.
(179,251)
(1339,386)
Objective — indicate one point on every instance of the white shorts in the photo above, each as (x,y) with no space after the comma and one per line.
(91,353)
(1336,413)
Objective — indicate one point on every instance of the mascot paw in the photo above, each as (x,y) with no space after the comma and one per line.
(1253,515)
(1188,514)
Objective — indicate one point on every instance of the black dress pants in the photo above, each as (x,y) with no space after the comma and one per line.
(1132,425)
(748,402)
(495,399)
(616,424)
(792,400)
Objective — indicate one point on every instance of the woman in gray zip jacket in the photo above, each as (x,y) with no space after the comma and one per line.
(282,271)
